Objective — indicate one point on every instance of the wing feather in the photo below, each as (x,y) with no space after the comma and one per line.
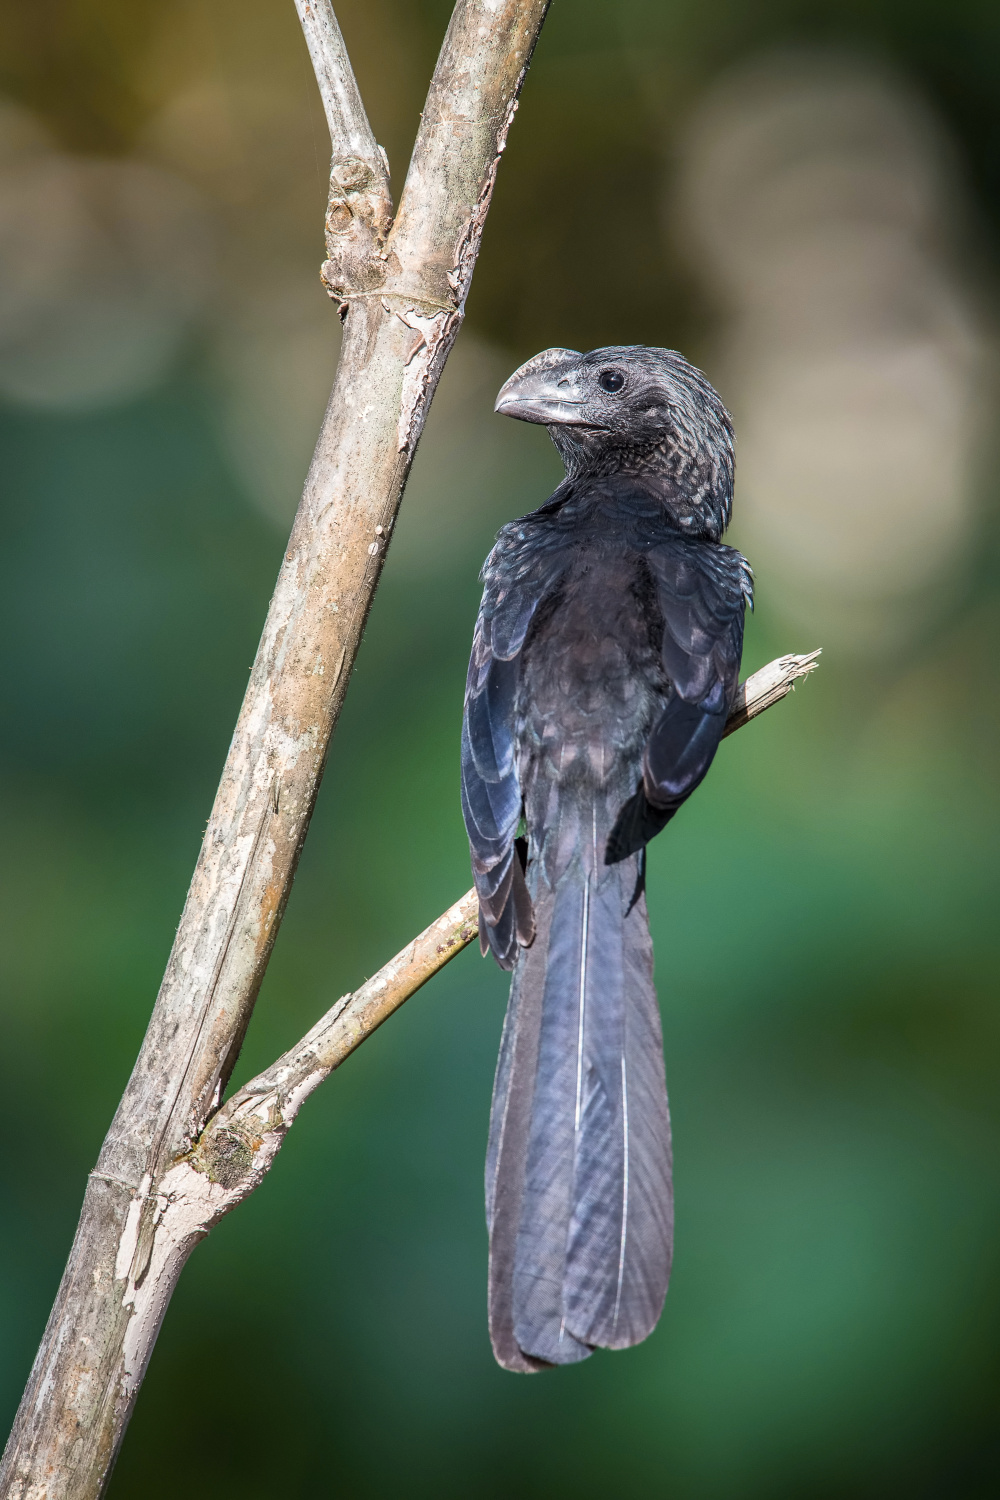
(491,792)
(702,593)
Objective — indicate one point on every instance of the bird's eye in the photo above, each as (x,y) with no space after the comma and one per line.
(611,381)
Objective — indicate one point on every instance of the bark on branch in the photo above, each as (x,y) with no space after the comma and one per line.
(359,214)
(402,286)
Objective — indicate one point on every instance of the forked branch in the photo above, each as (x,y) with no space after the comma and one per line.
(402,288)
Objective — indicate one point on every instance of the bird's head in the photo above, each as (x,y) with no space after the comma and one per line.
(637,411)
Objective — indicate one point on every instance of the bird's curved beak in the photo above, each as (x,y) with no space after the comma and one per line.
(547,390)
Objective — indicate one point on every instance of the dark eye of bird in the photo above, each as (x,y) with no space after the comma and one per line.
(611,381)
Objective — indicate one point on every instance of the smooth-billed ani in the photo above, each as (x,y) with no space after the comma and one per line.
(604,665)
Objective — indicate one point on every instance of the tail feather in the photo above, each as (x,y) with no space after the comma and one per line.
(510,1124)
(623,1222)
(546,1204)
(578,1171)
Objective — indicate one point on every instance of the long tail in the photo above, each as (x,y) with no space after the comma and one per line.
(578,1176)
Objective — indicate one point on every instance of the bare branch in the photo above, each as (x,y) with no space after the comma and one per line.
(359,211)
(405,289)
(347,1024)
(241,1141)
(768,686)
(350,131)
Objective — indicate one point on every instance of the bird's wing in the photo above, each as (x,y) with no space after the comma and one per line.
(702,591)
(516,581)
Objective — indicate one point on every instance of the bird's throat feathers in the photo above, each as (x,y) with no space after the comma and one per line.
(695,488)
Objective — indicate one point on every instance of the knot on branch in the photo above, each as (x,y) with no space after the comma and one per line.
(227,1152)
(357,221)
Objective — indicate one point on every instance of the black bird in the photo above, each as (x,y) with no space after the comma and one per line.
(604,665)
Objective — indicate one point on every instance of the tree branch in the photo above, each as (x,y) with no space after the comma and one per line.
(345,113)
(768,686)
(359,212)
(405,289)
(240,1142)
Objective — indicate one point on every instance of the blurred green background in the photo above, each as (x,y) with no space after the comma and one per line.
(803,197)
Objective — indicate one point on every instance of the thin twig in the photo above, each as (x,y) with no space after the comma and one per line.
(769,686)
(345,113)
(354,1017)
(359,212)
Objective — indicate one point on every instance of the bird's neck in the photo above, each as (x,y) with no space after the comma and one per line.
(695,494)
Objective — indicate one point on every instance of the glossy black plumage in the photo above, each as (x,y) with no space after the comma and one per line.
(604,664)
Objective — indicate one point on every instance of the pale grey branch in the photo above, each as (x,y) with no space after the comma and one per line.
(403,290)
(350,131)
(359,211)
(769,686)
